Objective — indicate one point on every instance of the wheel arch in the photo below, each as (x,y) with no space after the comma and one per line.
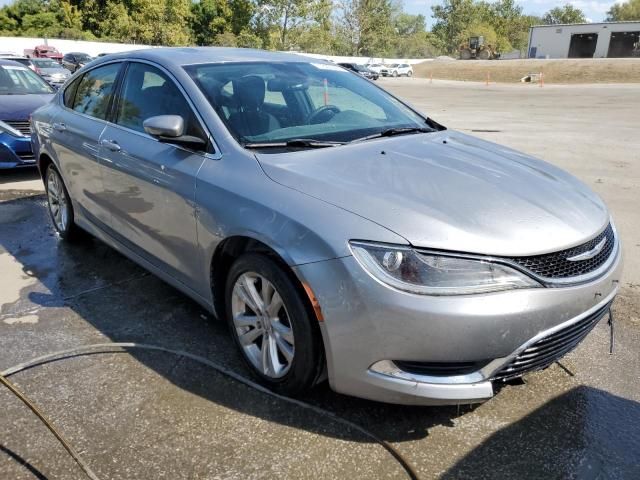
(44,160)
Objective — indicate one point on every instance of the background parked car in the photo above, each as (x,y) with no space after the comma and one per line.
(360,69)
(21,60)
(54,73)
(375,67)
(75,60)
(44,51)
(397,70)
(21,92)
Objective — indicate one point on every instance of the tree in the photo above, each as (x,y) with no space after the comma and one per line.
(208,19)
(454,16)
(629,10)
(566,14)
(365,27)
(161,22)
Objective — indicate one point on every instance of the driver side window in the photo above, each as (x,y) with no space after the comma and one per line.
(148,92)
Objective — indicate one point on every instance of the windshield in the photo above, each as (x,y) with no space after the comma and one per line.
(17,80)
(45,63)
(82,57)
(264,102)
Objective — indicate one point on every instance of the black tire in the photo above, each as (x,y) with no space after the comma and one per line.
(71,232)
(308,360)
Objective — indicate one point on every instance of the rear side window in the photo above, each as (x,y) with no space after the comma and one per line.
(148,92)
(70,92)
(94,91)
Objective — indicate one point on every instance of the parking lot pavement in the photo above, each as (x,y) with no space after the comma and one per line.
(151,415)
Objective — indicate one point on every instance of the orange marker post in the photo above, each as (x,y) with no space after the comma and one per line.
(541,79)
(488,78)
(430,77)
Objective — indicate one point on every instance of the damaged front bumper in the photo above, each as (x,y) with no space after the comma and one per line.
(369,330)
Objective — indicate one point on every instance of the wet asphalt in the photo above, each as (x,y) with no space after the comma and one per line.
(153,415)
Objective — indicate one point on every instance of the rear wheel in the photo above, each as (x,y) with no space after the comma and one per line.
(409,73)
(484,54)
(60,207)
(271,325)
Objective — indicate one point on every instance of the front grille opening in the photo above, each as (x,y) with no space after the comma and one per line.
(440,369)
(551,348)
(556,265)
(23,126)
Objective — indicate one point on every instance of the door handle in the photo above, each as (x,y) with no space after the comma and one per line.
(111,145)
(61,127)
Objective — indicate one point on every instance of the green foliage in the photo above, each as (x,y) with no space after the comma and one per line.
(565,14)
(378,28)
(629,10)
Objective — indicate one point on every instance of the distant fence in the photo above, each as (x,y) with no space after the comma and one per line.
(18,45)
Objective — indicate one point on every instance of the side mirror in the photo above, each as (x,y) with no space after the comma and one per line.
(164,126)
(170,129)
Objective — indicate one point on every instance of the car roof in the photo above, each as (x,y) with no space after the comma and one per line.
(11,62)
(180,56)
(78,53)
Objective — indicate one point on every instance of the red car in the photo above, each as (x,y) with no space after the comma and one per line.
(44,51)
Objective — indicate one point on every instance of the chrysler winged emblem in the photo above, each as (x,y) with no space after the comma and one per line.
(589,254)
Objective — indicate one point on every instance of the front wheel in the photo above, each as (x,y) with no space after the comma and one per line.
(395,73)
(59,203)
(409,73)
(271,325)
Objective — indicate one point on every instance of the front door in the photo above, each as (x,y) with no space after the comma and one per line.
(150,185)
(75,138)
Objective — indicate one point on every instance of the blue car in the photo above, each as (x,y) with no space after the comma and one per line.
(21,92)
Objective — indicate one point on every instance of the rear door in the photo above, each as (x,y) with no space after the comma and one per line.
(150,185)
(75,139)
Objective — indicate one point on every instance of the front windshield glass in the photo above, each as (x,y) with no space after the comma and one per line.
(45,63)
(82,57)
(264,102)
(18,80)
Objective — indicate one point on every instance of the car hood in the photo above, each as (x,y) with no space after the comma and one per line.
(19,107)
(449,191)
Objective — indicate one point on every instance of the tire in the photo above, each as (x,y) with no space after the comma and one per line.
(287,327)
(60,206)
(409,73)
(395,73)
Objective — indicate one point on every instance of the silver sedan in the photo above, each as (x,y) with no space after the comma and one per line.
(339,232)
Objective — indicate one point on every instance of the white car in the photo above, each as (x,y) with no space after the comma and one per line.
(397,70)
(375,67)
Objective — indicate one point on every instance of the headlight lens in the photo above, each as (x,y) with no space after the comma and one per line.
(10,130)
(432,274)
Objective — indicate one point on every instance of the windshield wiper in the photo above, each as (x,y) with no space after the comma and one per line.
(294,143)
(390,132)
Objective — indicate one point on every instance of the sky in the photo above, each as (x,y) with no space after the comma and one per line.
(595,10)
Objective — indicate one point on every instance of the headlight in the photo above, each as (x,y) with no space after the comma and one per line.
(10,130)
(433,274)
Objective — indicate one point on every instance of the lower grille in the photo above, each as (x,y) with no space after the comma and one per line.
(440,369)
(551,348)
(23,126)
(27,157)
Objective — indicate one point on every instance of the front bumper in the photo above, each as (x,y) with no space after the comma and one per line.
(368,325)
(15,151)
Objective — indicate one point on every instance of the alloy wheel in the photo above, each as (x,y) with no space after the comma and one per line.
(262,325)
(58,203)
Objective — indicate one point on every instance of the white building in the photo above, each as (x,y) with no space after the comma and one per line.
(585,40)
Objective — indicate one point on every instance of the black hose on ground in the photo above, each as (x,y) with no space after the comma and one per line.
(407,467)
